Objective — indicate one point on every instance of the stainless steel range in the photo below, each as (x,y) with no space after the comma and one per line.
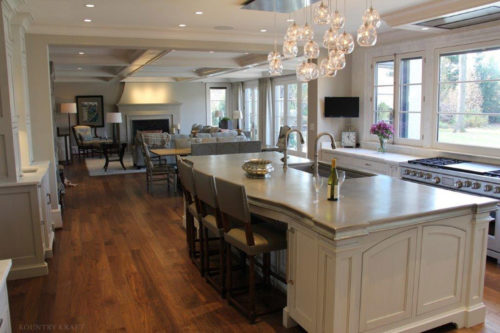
(469,177)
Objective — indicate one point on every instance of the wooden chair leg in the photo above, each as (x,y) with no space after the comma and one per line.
(189,232)
(251,288)
(202,249)
(222,266)
(206,258)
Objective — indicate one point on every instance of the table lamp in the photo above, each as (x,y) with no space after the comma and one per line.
(178,128)
(114,118)
(237,114)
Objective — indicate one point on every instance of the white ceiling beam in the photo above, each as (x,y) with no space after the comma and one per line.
(78,60)
(141,59)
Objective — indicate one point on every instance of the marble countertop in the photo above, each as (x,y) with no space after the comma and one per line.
(365,202)
(5,266)
(34,177)
(374,155)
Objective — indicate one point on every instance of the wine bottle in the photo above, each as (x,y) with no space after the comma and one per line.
(333,183)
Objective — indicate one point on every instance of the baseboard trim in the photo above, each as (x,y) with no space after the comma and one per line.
(57,217)
(25,271)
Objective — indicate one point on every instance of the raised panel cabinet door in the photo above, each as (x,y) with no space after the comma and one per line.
(303,278)
(387,280)
(441,267)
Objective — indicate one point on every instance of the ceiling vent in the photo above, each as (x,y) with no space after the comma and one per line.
(464,19)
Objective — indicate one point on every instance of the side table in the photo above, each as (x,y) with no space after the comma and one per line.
(109,149)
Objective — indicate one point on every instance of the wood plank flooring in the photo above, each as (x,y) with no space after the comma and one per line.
(120,265)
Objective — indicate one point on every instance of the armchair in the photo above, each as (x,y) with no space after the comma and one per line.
(87,143)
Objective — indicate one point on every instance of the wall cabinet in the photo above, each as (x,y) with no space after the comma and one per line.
(26,231)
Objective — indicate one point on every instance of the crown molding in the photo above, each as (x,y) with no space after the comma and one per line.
(430,10)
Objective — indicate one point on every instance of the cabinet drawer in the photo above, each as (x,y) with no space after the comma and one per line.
(363,165)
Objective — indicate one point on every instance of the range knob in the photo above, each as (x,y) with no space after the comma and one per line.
(420,174)
(467,183)
(476,185)
(458,184)
(497,189)
(437,180)
(407,172)
(488,188)
(428,176)
(413,173)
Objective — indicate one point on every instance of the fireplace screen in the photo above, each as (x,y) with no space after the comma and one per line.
(150,125)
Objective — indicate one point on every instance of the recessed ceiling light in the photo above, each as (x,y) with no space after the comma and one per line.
(79,68)
(290,20)
(199,12)
(81,52)
(212,52)
(263,30)
(89,5)
(182,25)
(246,53)
(425,28)
(87,20)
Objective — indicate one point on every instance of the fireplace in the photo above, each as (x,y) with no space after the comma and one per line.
(150,124)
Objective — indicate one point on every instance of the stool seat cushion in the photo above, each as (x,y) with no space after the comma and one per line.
(266,239)
(210,222)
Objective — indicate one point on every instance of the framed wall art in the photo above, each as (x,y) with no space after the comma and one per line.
(90,110)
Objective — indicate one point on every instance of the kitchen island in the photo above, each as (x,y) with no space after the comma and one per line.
(389,256)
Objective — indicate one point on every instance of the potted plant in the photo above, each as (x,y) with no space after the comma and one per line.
(226,123)
(384,131)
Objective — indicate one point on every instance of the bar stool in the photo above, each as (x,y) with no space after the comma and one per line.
(187,184)
(211,224)
(252,239)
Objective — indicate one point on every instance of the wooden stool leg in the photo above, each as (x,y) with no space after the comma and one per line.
(267,268)
(229,269)
(251,288)
(202,249)
(189,232)
(206,263)
(222,266)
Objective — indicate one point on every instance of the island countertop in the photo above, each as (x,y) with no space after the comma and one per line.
(369,203)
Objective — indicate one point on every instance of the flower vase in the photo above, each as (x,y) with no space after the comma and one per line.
(382,142)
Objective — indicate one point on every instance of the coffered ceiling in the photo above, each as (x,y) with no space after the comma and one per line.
(220,22)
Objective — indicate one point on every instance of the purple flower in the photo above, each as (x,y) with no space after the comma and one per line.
(382,130)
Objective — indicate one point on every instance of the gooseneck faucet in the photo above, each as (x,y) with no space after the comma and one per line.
(285,150)
(334,146)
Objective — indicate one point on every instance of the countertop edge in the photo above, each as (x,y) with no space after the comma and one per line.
(353,153)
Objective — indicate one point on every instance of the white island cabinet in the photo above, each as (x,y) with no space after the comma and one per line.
(26,229)
(5,326)
(366,160)
(389,256)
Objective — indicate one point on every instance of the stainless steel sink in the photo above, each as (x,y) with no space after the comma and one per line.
(324,170)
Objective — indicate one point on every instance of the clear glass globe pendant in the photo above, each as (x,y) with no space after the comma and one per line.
(367,35)
(345,43)
(294,32)
(336,59)
(290,49)
(337,21)
(273,55)
(307,32)
(321,14)
(275,66)
(330,39)
(311,71)
(311,50)
(325,70)
(372,17)
(300,71)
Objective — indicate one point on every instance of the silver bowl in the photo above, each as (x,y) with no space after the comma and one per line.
(258,168)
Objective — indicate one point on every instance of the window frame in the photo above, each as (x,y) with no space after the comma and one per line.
(208,104)
(396,112)
(254,87)
(438,52)
(285,81)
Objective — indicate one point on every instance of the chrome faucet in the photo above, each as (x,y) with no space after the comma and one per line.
(334,146)
(285,150)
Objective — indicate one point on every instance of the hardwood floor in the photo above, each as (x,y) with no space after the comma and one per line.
(120,265)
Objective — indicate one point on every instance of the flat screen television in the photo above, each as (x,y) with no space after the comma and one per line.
(337,107)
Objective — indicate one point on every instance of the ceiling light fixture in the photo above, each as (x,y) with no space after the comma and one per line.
(87,20)
(199,12)
(211,52)
(81,52)
(89,5)
(263,30)
(182,25)
(79,68)
(425,28)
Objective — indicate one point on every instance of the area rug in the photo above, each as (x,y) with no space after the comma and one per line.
(95,166)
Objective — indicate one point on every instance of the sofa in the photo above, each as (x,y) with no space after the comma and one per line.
(201,144)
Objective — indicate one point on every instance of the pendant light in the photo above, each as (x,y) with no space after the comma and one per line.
(367,35)
(290,49)
(321,14)
(336,59)
(337,20)
(330,39)
(372,17)
(274,58)
(311,50)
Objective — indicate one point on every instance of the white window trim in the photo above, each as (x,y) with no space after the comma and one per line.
(285,81)
(396,58)
(207,100)
(254,84)
(476,150)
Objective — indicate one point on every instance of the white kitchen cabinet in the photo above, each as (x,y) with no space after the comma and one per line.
(5,325)
(26,232)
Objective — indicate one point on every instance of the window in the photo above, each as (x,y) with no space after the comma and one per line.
(290,108)
(251,122)
(469,98)
(218,102)
(406,113)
